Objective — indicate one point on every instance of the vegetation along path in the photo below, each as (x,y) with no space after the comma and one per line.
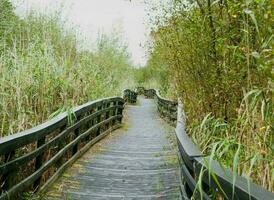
(135,162)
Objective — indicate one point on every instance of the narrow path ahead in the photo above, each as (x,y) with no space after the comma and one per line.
(134,162)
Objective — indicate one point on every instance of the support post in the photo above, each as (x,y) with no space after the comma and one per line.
(60,147)
(39,162)
(120,111)
(76,134)
(107,116)
(9,177)
(98,120)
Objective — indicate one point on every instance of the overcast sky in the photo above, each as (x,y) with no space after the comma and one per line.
(91,16)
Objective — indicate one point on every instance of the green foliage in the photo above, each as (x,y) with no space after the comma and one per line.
(43,72)
(32,196)
(217,56)
(8,21)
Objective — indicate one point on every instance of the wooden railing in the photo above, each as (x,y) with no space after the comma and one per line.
(140,90)
(130,96)
(150,93)
(195,167)
(32,159)
(166,108)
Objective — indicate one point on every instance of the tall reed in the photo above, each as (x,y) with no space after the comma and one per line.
(43,72)
(217,56)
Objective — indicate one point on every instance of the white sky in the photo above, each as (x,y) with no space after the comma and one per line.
(93,16)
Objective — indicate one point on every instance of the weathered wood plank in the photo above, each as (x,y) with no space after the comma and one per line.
(39,161)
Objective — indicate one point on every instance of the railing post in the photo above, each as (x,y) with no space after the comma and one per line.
(131,97)
(120,111)
(180,113)
(166,111)
(98,120)
(39,162)
(8,178)
(92,122)
(60,147)
(158,105)
(107,116)
(76,134)
(113,113)
(87,126)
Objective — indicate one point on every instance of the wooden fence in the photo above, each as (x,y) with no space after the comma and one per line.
(32,159)
(202,177)
(130,96)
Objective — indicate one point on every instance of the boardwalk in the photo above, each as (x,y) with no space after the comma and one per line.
(134,162)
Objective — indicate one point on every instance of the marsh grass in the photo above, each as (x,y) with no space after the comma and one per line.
(217,57)
(44,73)
(32,196)
(249,150)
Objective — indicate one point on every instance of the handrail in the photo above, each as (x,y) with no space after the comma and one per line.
(140,90)
(166,108)
(194,164)
(26,158)
(130,96)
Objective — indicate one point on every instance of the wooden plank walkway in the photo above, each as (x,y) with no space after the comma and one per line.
(137,161)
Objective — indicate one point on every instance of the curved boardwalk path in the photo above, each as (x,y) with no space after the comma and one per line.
(137,161)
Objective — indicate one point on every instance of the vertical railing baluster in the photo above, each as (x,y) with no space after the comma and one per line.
(76,146)
(8,178)
(170,112)
(113,113)
(88,125)
(60,146)
(107,115)
(116,112)
(99,120)
(93,121)
(119,112)
(76,134)
(39,162)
